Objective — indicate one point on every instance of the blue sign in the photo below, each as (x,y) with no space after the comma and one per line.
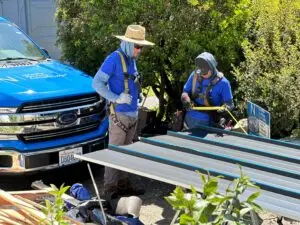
(258,120)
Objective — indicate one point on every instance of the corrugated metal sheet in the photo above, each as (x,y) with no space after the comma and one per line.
(174,158)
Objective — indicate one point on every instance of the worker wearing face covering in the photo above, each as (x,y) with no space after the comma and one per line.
(116,81)
(206,86)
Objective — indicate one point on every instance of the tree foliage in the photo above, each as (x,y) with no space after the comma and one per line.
(181,29)
(270,74)
(262,34)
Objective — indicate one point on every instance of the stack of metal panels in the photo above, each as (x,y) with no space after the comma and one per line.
(174,158)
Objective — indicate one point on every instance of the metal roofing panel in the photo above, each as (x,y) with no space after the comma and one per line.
(173,158)
(250,140)
(278,183)
(286,206)
(225,152)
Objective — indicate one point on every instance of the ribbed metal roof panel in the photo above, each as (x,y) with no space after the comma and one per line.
(174,158)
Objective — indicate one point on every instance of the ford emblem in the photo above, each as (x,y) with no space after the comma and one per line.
(67,118)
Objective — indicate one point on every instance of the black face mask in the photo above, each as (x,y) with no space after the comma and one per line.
(202,66)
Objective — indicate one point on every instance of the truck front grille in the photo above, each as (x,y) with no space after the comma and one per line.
(54,119)
(55,104)
(60,133)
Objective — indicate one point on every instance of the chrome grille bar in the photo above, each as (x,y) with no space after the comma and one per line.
(50,126)
(58,133)
(55,118)
(48,115)
(58,103)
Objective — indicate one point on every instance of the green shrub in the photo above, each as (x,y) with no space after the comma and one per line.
(270,74)
(180,29)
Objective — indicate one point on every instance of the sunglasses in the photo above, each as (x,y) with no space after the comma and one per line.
(138,46)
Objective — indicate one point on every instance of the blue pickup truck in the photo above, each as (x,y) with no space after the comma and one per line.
(48,110)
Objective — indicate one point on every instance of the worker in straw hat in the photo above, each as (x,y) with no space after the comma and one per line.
(117,80)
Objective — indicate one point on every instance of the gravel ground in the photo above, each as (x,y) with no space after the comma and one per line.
(155,210)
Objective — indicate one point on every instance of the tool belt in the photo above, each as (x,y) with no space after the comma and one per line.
(121,125)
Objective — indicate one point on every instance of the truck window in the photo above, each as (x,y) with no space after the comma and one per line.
(14,44)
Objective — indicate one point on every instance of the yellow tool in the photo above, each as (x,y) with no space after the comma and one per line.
(209,108)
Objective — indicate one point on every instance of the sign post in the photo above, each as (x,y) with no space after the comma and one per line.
(258,120)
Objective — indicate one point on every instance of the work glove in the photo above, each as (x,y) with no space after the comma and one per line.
(186,101)
(224,107)
(228,105)
(124,99)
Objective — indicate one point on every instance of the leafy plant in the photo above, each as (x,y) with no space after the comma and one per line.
(55,212)
(270,74)
(213,207)
(180,29)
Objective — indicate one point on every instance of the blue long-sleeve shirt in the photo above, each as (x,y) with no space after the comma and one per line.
(109,82)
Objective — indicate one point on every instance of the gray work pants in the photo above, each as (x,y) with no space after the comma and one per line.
(118,137)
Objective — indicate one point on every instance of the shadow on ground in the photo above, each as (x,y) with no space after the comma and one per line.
(155,209)
(67,175)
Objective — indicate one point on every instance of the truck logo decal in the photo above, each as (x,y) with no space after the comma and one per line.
(43,76)
(33,76)
(67,118)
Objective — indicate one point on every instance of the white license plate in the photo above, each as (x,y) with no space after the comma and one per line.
(67,157)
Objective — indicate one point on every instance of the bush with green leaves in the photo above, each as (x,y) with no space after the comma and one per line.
(270,74)
(181,29)
(213,207)
(55,211)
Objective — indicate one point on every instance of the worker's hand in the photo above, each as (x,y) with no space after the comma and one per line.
(224,108)
(186,101)
(227,106)
(124,99)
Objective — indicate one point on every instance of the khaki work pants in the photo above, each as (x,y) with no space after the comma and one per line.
(118,137)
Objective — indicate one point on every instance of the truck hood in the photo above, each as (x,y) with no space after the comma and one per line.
(39,81)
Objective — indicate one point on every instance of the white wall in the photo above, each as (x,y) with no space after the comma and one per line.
(15,11)
(36,18)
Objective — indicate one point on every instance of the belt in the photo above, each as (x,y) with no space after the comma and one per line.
(120,124)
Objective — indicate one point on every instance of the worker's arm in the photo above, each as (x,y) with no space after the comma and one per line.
(227,95)
(101,78)
(187,90)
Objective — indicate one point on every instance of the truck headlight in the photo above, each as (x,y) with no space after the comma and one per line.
(8,110)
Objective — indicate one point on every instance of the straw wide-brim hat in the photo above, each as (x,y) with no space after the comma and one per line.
(135,34)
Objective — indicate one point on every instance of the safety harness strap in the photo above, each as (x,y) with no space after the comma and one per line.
(126,86)
(126,77)
(195,78)
(205,96)
(126,90)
